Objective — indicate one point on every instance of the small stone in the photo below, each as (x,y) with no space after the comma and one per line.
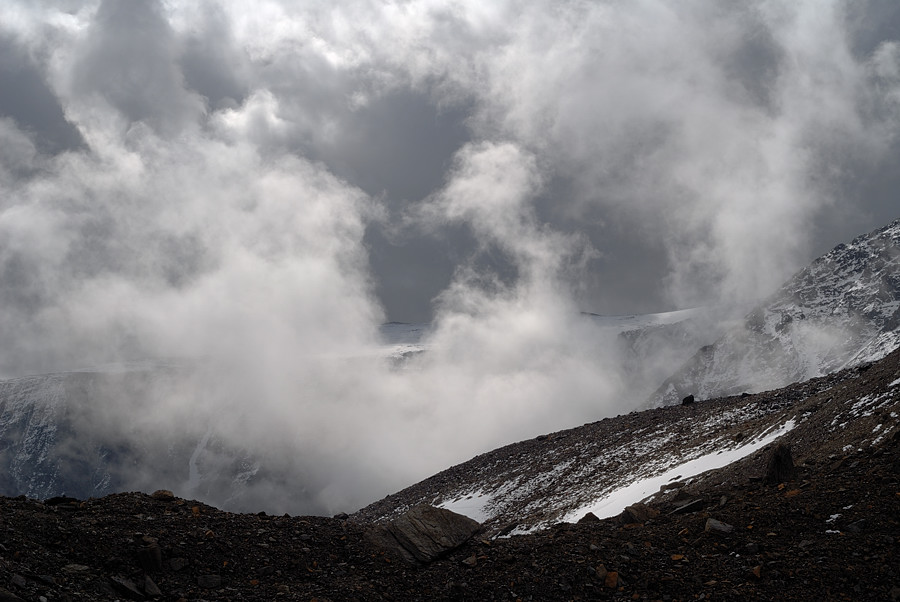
(209,581)
(176,564)
(75,568)
(857,526)
(150,587)
(751,548)
(717,525)
(126,587)
(18,581)
(687,400)
(283,589)
(163,495)
(757,571)
(692,506)
(612,579)
(341,516)
(601,571)
(470,561)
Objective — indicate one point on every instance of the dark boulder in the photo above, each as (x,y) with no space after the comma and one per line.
(781,465)
(590,517)
(637,513)
(687,400)
(423,533)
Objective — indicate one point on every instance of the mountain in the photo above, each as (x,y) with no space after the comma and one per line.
(842,310)
(79,434)
(604,466)
(751,530)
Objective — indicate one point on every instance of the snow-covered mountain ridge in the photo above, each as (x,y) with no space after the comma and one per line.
(660,453)
(841,310)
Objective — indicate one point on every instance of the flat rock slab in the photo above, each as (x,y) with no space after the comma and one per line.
(424,533)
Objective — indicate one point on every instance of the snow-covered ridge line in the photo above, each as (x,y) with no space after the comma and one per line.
(636,321)
(842,310)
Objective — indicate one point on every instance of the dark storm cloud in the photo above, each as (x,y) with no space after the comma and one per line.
(26,98)
(212,63)
(130,61)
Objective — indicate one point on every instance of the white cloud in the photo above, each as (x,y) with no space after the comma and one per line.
(204,216)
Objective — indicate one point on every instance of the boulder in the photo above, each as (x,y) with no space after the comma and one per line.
(638,513)
(423,533)
(781,465)
(590,517)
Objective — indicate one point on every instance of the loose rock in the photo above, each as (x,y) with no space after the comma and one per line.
(718,526)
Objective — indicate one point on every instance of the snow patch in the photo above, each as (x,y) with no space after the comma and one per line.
(613,503)
(473,505)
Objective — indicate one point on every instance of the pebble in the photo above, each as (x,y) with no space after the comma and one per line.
(209,581)
(717,525)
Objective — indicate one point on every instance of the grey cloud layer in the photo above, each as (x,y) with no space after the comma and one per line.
(265,185)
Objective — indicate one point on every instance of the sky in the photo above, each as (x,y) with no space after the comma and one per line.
(268,182)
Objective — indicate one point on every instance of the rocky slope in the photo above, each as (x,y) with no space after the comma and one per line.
(604,466)
(842,310)
(829,531)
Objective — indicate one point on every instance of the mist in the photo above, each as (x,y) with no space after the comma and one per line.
(255,191)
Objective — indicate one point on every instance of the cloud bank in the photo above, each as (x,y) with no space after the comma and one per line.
(263,187)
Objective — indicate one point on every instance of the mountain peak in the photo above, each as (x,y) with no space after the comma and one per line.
(841,310)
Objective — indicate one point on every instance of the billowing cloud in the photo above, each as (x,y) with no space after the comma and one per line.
(261,187)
